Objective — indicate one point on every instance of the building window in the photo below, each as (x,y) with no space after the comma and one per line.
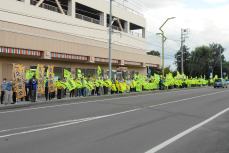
(52,5)
(89,14)
(137,30)
(118,24)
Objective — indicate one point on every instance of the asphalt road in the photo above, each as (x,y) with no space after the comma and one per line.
(187,121)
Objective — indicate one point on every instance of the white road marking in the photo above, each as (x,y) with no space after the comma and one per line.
(94,101)
(67,124)
(71,122)
(177,101)
(42,125)
(184,133)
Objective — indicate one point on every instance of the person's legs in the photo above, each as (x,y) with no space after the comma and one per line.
(7,97)
(84,92)
(2,96)
(49,96)
(97,91)
(79,92)
(46,93)
(14,97)
(10,97)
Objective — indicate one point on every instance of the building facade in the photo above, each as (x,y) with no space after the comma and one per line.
(71,34)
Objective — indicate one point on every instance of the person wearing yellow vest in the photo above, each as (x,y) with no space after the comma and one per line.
(113,87)
(106,86)
(133,86)
(99,86)
(84,85)
(78,87)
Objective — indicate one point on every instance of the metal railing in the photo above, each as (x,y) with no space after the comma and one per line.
(86,18)
(49,7)
(116,28)
(136,34)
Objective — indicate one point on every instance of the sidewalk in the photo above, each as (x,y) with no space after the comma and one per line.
(40,102)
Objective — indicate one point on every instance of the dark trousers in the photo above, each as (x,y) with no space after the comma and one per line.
(14,97)
(58,93)
(2,96)
(83,92)
(105,90)
(47,93)
(97,91)
(113,92)
(33,95)
(93,92)
(72,93)
(78,92)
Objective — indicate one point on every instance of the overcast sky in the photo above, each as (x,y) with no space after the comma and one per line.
(207,20)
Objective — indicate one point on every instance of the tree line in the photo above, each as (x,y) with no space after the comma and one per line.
(203,61)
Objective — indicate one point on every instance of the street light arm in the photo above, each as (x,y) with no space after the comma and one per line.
(165,23)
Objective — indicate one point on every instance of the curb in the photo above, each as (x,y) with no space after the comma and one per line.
(85,99)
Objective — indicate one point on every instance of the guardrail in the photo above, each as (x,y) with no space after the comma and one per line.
(86,18)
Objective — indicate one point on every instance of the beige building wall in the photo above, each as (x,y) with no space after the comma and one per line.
(25,26)
(20,13)
(20,36)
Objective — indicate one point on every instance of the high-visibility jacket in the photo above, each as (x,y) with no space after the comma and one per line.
(113,87)
(78,84)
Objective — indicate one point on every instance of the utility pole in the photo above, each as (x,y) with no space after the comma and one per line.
(184,35)
(110,41)
(221,64)
(163,39)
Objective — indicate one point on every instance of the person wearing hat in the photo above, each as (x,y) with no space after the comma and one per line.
(33,88)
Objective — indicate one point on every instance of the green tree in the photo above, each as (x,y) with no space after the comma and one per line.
(200,61)
(154,53)
(167,70)
(186,58)
(215,58)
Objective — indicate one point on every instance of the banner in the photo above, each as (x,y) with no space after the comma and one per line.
(70,84)
(40,71)
(50,75)
(79,74)
(18,79)
(67,74)
(99,71)
(29,74)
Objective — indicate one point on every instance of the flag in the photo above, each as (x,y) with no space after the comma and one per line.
(50,75)
(67,74)
(18,77)
(40,71)
(79,73)
(99,71)
(70,84)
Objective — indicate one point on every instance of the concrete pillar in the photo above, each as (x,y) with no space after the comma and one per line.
(127,27)
(102,19)
(143,33)
(71,8)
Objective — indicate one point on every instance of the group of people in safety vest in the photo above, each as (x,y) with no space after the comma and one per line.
(99,85)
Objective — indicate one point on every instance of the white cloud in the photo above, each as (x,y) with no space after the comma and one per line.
(206,25)
(215,1)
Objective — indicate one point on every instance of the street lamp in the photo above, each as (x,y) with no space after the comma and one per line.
(110,40)
(163,39)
